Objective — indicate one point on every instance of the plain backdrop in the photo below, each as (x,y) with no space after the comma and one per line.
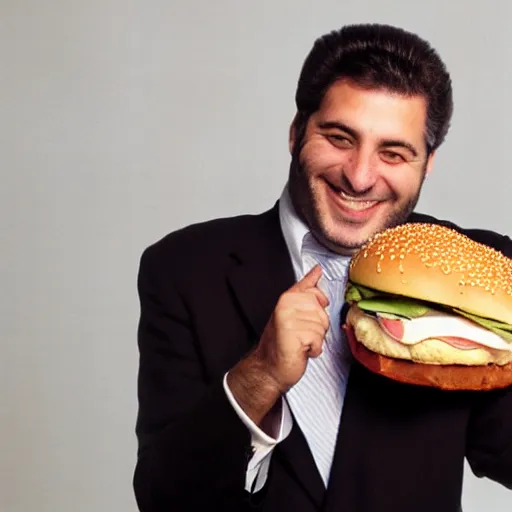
(121,120)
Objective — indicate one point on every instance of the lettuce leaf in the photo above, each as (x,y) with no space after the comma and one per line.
(486,322)
(355,293)
(374,301)
(380,302)
(396,306)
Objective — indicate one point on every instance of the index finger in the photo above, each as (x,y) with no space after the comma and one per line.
(310,280)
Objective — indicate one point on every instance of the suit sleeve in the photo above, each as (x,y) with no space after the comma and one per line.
(193,449)
(489,448)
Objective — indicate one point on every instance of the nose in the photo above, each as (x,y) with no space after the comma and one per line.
(359,174)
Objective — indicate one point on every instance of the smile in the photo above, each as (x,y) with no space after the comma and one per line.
(347,202)
(356,204)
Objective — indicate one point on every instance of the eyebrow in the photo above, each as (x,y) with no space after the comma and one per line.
(353,133)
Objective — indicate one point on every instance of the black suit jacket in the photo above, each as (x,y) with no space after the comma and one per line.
(206,292)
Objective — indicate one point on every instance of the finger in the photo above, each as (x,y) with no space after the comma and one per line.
(312,346)
(324,319)
(293,319)
(310,328)
(322,299)
(313,299)
(310,280)
(315,307)
(317,316)
(315,351)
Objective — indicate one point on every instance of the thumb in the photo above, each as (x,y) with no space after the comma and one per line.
(310,280)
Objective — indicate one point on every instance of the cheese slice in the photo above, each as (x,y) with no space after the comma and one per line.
(436,324)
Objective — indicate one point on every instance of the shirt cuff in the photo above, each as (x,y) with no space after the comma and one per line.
(262,443)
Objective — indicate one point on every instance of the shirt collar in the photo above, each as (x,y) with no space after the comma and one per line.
(294,230)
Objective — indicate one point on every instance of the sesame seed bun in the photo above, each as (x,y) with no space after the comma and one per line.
(437,264)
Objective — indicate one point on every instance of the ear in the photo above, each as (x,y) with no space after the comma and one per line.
(430,163)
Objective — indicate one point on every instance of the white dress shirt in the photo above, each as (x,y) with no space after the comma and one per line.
(316,400)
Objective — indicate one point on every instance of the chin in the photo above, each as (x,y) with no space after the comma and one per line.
(348,236)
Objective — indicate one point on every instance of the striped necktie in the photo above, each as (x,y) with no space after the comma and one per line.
(316,400)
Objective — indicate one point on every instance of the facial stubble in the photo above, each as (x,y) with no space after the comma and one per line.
(307,205)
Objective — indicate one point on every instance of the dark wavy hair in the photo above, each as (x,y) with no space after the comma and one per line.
(377,56)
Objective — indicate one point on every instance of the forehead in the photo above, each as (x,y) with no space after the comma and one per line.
(374,112)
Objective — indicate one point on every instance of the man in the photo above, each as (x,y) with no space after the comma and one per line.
(249,399)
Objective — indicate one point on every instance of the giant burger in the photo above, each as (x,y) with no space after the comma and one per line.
(430,306)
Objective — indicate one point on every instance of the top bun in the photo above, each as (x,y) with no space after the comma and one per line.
(437,264)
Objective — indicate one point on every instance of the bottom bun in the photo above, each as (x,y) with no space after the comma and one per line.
(447,377)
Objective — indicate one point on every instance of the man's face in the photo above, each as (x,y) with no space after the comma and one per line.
(361,166)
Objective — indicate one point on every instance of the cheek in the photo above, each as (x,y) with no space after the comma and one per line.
(323,159)
(404,182)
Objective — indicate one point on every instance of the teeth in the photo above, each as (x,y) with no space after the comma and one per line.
(354,204)
(359,205)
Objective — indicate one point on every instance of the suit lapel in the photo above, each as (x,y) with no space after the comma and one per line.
(296,457)
(262,271)
(349,474)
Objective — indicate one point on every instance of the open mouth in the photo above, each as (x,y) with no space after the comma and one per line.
(348,202)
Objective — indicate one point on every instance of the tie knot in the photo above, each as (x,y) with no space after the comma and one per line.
(335,267)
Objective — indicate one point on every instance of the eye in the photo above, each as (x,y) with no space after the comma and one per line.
(392,158)
(340,141)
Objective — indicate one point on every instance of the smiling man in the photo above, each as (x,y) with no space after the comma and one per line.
(248,396)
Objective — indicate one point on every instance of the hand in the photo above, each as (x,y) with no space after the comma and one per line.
(293,334)
(295,331)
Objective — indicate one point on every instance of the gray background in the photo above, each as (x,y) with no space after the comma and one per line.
(121,120)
